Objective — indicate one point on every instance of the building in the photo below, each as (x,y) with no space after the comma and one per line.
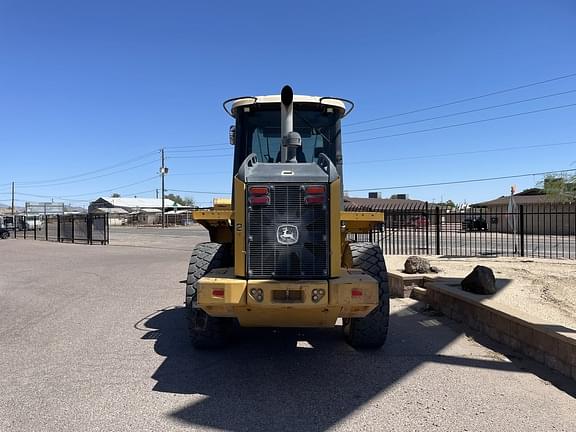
(398,212)
(542,214)
(122,210)
(381,204)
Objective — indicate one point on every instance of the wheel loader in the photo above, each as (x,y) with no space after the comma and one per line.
(278,254)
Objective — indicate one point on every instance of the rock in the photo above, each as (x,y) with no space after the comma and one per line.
(435,269)
(480,281)
(415,264)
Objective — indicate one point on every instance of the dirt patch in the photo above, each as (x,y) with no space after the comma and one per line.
(544,288)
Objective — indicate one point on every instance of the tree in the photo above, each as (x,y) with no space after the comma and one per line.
(562,187)
(115,195)
(449,203)
(183,201)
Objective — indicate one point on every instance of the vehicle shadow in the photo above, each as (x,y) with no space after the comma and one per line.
(289,379)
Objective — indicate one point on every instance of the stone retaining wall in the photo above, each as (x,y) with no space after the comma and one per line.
(552,345)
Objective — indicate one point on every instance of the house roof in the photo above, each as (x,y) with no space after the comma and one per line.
(520,199)
(111,210)
(138,202)
(381,204)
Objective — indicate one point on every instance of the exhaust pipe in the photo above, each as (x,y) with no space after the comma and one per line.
(291,140)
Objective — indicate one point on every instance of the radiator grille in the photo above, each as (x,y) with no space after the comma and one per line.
(307,257)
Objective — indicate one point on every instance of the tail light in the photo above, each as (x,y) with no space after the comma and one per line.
(315,194)
(258,195)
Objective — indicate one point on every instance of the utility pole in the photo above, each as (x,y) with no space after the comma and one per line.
(163,172)
(13,208)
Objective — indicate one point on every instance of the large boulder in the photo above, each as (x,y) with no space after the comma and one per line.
(415,264)
(480,281)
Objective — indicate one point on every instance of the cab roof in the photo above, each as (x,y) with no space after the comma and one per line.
(231,105)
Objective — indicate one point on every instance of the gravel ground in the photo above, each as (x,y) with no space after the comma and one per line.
(544,288)
(93,338)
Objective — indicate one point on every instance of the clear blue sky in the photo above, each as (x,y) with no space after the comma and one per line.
(86,85)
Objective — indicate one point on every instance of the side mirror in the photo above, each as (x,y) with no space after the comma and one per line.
(232,135)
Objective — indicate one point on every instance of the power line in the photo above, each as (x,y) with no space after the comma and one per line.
(199,173)
(90,178)
(116,188)
(197,146)
(51,197)
(461,181)
(468,99)
(464,124)
(199,157)
(143,156)
(198,192)
(200,150)
(460,113)
(438,155)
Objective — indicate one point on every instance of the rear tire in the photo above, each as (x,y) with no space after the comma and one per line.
(5,235)
(206,331)
(371,331)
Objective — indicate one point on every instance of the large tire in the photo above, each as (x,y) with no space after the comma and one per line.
(370,332)
(206,331)
(5,234)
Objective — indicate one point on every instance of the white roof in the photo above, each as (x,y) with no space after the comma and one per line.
(111,210)
(297,99)
(178,212)
(139,202)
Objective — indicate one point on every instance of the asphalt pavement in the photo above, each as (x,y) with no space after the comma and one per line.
(93,338)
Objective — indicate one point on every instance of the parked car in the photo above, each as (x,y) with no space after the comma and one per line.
(419,222)
(4,233)
(476,223)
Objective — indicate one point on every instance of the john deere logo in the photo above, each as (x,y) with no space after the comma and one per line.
(287,234)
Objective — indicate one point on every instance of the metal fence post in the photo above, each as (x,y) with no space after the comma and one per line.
(58,227)
(521,230)
(438,230)
(89,229)
(427,221)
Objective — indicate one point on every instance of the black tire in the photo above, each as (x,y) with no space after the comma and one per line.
(370,332)
(5,234)
(206,331)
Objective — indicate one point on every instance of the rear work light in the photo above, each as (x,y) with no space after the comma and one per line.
(258,195)
(315,194)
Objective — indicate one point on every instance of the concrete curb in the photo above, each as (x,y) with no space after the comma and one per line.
(552,345)
(402,284)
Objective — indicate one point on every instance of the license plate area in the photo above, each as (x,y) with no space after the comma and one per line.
(288,296)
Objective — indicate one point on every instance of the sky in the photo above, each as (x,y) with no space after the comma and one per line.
(90,91)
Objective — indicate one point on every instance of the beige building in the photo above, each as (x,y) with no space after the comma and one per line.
(541,214)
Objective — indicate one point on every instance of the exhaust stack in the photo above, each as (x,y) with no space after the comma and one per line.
(291,140)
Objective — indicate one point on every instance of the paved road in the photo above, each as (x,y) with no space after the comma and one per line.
(460,243)
(92,338)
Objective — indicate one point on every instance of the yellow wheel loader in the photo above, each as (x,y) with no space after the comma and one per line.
(278,254)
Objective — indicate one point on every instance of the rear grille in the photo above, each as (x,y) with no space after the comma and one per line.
(287,218)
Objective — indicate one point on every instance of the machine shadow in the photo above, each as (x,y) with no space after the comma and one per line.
(267,380)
